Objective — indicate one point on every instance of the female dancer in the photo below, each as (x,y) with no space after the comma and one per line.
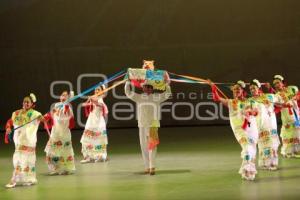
(26,122)
(268,141)
(94,139)
(59,150)
(243,123)
(290,130)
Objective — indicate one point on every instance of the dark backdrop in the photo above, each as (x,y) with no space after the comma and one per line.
(225,40)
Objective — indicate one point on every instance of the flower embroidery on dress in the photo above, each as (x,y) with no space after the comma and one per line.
(25,148)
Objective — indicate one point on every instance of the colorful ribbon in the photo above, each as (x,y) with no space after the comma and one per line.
(178,78)
(110,79)
(198,80)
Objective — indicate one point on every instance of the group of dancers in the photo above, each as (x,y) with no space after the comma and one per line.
(253,121)
(59,150)
(24,123)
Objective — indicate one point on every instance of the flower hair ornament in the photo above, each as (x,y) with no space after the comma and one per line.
(278,77)
(72,94)
(103,87)
(33,97)
(256,83)
(241,83)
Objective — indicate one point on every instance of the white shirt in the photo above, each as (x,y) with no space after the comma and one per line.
(148,106)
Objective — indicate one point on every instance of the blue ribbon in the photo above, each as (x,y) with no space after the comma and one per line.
(297,122)
(74,98)
(183,79)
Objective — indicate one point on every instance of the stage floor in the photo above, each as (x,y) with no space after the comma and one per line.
(192,163)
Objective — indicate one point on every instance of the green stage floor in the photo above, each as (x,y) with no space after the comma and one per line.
(192,162)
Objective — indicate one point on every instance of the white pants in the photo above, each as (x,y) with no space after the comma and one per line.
(148,155)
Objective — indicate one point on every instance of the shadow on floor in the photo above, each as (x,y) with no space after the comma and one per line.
(176,171)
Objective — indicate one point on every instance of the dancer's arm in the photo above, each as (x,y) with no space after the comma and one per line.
(166,94)
(297,96)
(8,128)
(130,94)
(216,96)
(41,118)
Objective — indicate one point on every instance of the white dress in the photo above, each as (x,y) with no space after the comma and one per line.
(25,138)
(290,130)
(268,141)
(247,137)
(59,150)
(94,139)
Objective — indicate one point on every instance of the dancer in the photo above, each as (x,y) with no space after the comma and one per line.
(26,122)
(94,139)
(243,123)
(290,130)
(268,141)
(59,150)
(148,114)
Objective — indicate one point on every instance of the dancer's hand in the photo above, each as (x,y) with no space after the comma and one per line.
(41,118)
(8,131)
(296,97)
(93,99)
(209,82)
(46,117)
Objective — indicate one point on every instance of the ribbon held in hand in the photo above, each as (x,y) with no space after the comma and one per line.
(216,96)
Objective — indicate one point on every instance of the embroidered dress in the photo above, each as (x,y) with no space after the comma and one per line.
(59,150)
(25,138)
(94,139)
(268,141)
(290,130)
(246,133)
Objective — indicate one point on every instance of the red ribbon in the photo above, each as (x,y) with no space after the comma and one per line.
(216,96)
(289,107)
(88,109)
(245,124)
(67,109)
(8,125)
(277,109)
(6,140)
(71,123)
(49,122)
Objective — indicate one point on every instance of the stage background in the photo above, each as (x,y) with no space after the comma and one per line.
(42,41)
